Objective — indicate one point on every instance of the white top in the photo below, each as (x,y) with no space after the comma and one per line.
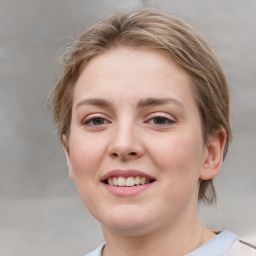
(217,246)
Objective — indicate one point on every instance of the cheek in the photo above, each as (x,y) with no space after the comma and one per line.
(180,150)
(86,153)
(180,159)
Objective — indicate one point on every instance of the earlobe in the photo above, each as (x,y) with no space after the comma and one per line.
(213,155)
(67,153)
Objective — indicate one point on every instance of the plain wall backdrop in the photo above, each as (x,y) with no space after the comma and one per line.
(40,211)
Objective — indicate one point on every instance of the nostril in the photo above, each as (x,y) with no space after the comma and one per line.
(124,155)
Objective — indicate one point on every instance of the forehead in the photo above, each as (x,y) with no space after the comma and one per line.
(132,73)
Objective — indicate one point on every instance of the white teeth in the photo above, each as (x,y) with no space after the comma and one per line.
(143,180)
(137,180)
(110,181)
(128,182)
(115,181)
(121,181)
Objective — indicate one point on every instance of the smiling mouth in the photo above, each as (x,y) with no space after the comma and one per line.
(127,182)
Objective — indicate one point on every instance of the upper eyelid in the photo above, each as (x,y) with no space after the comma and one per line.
(148,117)
(92,116)
(161,114)
(167,116)
(171,121)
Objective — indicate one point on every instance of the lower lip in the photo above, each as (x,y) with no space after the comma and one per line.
(127,191)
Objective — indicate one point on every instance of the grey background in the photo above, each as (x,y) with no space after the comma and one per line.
(40,212)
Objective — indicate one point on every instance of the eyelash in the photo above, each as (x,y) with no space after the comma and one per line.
(161,118)
(91,121)
(164,121)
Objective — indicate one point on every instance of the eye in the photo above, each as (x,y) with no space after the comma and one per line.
(95,121)
(160,120)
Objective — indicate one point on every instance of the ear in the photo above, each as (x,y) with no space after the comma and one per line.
(213,156)
(67,153)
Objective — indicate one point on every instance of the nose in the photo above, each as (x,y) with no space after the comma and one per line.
(126,144)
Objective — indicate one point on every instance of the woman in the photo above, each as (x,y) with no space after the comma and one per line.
(142,110)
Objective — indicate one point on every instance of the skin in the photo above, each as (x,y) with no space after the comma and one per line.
(123,131)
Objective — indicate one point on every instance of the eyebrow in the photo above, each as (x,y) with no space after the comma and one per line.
(95,101)
(141,104)
(158,101)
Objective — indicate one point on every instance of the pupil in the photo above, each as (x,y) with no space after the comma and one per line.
(98,121)
(159,120)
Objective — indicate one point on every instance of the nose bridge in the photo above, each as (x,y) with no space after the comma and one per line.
(125,142)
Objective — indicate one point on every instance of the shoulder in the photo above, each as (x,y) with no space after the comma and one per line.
(239,247)
(97,251)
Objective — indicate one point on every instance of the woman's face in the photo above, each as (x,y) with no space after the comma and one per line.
(135,121)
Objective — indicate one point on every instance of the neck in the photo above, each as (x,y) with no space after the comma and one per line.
(171,240)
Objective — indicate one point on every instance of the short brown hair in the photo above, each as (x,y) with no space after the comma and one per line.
(152,29)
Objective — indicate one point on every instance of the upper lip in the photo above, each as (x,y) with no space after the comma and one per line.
(126,173)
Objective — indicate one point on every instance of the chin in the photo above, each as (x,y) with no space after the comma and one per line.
(128,228)
(126,221)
